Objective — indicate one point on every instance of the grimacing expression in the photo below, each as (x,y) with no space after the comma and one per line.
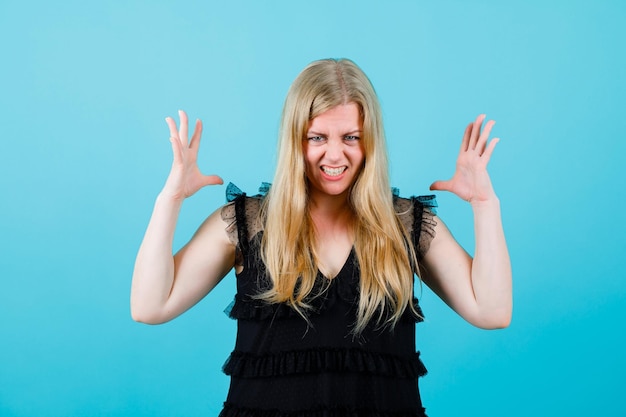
(333,151)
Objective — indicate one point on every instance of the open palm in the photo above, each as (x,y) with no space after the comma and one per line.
(471,181)
(185,178)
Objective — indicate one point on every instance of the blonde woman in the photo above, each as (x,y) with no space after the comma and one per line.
(325,260)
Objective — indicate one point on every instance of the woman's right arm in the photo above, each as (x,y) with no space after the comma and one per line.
(164,286)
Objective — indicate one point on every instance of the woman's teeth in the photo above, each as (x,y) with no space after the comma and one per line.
(333,172)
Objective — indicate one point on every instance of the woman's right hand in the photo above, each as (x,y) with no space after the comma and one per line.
(165,286)
(185,178)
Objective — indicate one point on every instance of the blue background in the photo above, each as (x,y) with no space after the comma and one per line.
(84,89)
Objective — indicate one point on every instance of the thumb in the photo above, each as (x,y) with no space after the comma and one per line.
(212,180)
(440,185)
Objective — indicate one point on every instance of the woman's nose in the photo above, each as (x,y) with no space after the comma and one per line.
(334,149)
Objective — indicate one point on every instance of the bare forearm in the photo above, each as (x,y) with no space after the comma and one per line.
(491,267)
(153,275)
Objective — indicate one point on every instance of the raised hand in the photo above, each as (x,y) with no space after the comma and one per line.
(471,181)
(185,177)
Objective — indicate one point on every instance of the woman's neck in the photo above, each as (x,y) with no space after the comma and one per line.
(331,214)
(333,221)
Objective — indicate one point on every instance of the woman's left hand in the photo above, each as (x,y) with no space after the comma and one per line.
(471,181)
(477,288)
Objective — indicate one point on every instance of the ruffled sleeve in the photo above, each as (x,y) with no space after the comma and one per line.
(424,211)
(242,217)
(417,215)
(242,214)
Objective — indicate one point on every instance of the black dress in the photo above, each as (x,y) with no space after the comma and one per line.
(283,366)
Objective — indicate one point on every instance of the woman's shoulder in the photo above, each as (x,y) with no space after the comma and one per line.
(427,200)
(417,215)
(242,213)
(407,208)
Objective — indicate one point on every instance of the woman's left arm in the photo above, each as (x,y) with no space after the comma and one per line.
(478,289)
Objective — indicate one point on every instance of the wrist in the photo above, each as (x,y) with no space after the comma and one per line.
(487,203)
(169,199)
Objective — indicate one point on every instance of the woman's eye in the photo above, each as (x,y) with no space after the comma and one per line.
(315,138)
(351,138)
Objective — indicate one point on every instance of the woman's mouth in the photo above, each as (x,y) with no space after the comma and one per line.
(333,172)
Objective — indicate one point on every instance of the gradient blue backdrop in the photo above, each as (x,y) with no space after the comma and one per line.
(84,89)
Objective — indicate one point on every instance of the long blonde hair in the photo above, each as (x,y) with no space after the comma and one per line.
(384,252)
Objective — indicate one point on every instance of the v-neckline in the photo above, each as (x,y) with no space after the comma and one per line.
(343,267)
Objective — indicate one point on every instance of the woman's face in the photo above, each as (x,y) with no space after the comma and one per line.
(333,151)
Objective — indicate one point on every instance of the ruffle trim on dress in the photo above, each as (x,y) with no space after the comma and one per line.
(232,191)
(247,308)
(427,201)
(245,365)
(241,216)
(231,410)
(243,222)
(424,210)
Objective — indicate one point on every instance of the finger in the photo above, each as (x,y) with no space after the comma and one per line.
(197,133)
(177,150)
(184,127)
(212,180)
(440,186)
(466,137)
(482,140)
(172,125)
(476,131)
(489,150)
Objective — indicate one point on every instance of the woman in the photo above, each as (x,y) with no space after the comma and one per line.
(325,261)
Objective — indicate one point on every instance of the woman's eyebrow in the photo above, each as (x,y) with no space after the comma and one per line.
(313,132)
